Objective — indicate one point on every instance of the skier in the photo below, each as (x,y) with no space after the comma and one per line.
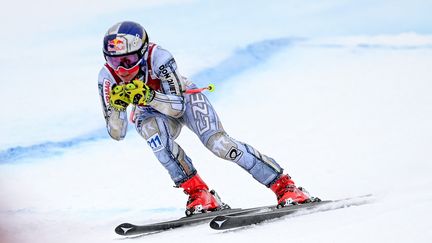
(143,74)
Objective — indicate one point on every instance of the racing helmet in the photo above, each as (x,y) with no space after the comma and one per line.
(124,46)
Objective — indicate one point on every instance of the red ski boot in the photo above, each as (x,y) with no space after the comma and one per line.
(201,200)
(288,194)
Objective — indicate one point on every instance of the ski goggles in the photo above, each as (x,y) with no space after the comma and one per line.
(124,63)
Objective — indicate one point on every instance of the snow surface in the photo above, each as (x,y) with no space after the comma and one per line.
(339,92)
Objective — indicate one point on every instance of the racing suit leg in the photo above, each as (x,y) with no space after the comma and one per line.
(202,119)
(160,131)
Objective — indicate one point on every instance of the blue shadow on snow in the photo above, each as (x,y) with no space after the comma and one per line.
(240,61)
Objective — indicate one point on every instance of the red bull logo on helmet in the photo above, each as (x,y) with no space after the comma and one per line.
(116,45)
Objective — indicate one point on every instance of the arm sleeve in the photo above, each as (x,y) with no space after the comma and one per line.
(170,101)
(116,121)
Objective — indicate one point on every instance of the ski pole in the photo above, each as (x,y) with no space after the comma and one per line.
(210,88)
(132,114)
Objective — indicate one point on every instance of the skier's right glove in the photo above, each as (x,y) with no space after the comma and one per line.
(119,100)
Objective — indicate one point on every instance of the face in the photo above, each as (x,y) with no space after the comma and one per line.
(126,75)
(126,67)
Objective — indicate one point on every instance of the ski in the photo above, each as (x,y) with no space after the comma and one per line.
(127,229)
(223,222)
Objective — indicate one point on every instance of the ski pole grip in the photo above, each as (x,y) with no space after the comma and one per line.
(210,88)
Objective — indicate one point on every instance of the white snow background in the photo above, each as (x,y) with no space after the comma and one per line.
(338,92)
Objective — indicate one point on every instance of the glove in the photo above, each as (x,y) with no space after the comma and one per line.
(119,100)
(139,93)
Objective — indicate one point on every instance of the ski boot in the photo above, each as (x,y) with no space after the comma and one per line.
(288,194)
(201,200)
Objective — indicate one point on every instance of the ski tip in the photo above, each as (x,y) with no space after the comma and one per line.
(125,229)
(218,222)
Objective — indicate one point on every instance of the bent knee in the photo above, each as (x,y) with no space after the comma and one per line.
(224,146)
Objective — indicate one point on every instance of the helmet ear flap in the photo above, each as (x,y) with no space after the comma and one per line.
(145,45)
(144,49)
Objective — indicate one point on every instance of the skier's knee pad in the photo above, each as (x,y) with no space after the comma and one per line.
(159,132)
(152,132)
(224,147)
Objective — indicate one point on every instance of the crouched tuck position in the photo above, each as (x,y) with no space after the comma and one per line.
(144,75)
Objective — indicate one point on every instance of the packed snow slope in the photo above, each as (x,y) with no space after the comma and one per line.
(338,92)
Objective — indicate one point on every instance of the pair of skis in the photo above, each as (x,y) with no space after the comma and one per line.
(234,218)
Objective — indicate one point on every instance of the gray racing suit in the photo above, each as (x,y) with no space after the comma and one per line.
(161,121)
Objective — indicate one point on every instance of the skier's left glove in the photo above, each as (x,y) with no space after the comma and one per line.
(139,93)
